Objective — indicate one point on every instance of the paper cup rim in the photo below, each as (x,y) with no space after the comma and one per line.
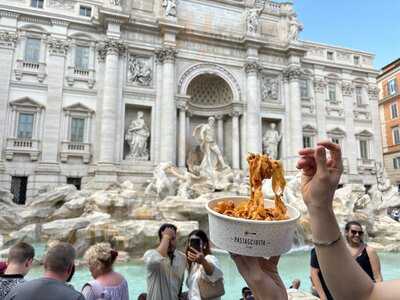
(218,215)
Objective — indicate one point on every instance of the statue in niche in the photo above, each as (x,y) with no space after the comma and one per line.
(170,8)
(253,19)
(212,156)
(137,136)
(271,141)
(270,89)
(139,72)
(294,28)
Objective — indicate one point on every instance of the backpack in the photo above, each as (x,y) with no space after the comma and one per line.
(98,290)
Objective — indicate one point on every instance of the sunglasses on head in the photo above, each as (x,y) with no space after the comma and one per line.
(354,232)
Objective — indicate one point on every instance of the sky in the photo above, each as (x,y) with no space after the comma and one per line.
(367,25)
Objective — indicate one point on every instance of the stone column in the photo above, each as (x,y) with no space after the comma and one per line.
(182,135)
(254,143)
(51,136)
(220,132)
(157,110)
(235,140)
(112,49)
(320,105)
(7,46)
(168,107)
(292,75)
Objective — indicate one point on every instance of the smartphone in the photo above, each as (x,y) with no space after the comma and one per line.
(195,243)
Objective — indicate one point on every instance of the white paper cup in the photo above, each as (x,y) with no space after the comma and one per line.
(251,237)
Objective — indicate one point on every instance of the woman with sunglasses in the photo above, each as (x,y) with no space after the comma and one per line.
(366,256)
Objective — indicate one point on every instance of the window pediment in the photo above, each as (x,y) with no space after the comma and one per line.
(364,134)
(309,130)
(336,132)
(78,108)
(26,102)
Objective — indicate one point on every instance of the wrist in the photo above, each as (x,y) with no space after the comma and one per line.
(317,208)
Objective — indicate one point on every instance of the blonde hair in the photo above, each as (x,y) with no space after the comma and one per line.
(100,258)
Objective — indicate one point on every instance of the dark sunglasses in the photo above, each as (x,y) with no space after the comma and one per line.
(354,232)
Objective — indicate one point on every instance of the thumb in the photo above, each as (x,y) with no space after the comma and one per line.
(320,159)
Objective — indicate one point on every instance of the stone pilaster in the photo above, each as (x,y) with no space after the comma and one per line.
(254,145)
(110,50)
(7,48)
(350,146)
(320,85)
(235,140)
(168,107)
(182,107)
(220,132)
(292,75)
(57,49)
(157,110)
(373,98)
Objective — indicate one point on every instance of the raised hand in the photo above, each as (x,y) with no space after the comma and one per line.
(262,276)
(321,175)
(195,256)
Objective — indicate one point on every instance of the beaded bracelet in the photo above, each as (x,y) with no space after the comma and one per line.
(326,244)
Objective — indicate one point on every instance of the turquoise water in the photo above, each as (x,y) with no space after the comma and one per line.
(291,266)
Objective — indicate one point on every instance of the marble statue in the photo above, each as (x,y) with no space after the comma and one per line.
(271,141)
(137,136)
(294,28)
(186,182)
(139,72)
(170,8)
(212,156)
(160,184)
(253,19)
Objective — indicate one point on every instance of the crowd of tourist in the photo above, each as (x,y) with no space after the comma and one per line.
(341,268)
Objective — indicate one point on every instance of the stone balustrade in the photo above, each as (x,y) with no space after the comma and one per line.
(75,149)
(27,146)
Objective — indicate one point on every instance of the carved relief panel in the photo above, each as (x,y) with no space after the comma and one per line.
(140,70)
(270,88)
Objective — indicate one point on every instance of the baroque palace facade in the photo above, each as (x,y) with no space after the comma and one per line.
(74,75)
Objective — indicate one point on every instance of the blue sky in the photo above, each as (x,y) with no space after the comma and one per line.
(368,25)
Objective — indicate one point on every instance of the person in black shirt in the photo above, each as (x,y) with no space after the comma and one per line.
(365,255)
(318,282)
(20,258)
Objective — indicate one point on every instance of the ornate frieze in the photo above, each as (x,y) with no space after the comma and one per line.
(293,73)
(252,67)
(320,85)
(110,46)
(166,54)
(139,70)
(7,39)
(58,47)
(115,2)
(347,89)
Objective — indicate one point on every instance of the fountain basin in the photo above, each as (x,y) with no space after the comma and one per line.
(251,237)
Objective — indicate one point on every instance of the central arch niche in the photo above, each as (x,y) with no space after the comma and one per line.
(210,91)
(211,95)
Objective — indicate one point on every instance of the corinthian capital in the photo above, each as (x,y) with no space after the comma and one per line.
(252,67)
(166,54)
(58,47)
(8,39)
(292,73)
(111,46)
